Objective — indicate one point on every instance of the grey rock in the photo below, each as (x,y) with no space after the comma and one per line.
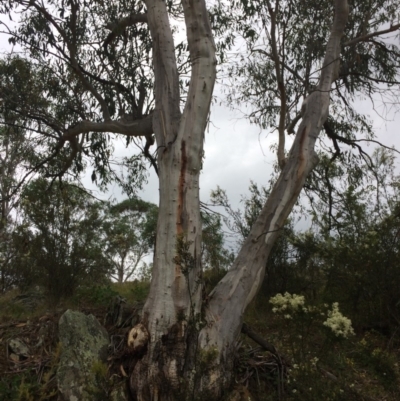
(83,342)
(19,348)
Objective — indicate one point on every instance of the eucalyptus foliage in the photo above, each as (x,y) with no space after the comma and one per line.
(57,243)
(285,44)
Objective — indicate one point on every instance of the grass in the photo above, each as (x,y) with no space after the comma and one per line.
(10,310)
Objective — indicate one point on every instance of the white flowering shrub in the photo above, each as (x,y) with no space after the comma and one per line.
(287,303)
(339,324)
(290,304)
(316,336)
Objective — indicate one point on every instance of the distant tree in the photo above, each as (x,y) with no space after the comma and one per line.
(285,44)
(59,239)
(130,231)
(215,254)
(240,221)
(15,152)
(129,236)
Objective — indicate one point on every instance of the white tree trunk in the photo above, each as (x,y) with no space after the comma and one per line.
(229,299)
(175,337)
(174,301)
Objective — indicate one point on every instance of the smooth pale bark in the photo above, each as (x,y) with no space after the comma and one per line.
(229,299)
(175,294)
(175,334)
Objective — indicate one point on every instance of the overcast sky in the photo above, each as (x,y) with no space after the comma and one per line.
(237,152)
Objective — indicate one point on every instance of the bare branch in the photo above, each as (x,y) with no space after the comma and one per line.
(140,127)
(149,142)
(378,143)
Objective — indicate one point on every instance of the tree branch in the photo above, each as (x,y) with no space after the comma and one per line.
(285,66)
(140,127)
(72,54)
(261,341)
(351,142)
(365,38)
(117,27)
(149,142)
(281,85)
(290,127)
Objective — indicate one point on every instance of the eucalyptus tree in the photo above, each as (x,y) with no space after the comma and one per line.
(57,241)
(129,236)
(16,150)
(357,242)
(12,147)
(94,57)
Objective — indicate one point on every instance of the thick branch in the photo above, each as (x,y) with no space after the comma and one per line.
(365,38)
(118,27)
(202,56)
(141,127)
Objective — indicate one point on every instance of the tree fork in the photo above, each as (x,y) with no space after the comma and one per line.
(178,339)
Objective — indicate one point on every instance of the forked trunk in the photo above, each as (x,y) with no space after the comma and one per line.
(184,350)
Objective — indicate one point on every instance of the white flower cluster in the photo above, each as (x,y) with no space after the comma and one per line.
(339,324)
(286,303)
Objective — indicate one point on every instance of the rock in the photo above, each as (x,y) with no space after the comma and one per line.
(18,348)
(83,342)
(14,358)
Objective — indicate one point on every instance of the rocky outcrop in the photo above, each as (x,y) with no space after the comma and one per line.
(84,342)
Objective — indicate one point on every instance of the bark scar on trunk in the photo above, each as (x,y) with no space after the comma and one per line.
(181,190)
(180,216)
